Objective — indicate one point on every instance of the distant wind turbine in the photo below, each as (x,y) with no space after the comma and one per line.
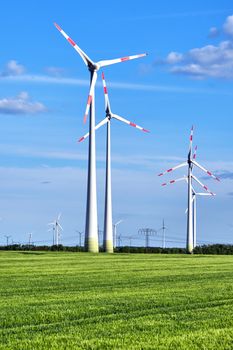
(163,229)
(190,162)
(58,227)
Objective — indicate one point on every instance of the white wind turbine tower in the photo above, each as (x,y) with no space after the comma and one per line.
(56,224)
(108,234)
(190,162)
(91,230)
(194,199)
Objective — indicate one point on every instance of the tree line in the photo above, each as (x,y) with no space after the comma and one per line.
(215,249)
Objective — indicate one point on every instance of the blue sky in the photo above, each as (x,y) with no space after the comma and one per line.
(185,79)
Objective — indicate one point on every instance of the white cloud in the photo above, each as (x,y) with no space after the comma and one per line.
(20,104)
(208,61)
(45,79)
(214,61)
(228,25)
(13,68)
(213,32)
(54,71)
(174,57)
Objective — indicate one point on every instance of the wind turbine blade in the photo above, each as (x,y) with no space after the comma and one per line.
(118,222)
(89,100)
(104,121)
(201,184)
(51,223)
(59,216)
(60,226)
(83,55)
(105,63)
(128,122)
(174,168)
(173,181)
(205,194)
(191,140)
(195,153)
(106,98)
(205,170)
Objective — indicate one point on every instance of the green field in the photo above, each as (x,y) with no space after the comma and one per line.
(124,301)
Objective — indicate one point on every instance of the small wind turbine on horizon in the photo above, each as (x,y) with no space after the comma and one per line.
(109,115)
(56,228)
(163,229)
(115,232)
(190,162)
(91,230)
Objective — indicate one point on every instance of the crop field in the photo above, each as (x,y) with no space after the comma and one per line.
(124,301)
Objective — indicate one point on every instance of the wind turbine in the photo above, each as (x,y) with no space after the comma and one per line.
(194,201)
(163,228)
(115,232)
(91,230)
(190,162)
(57,226)
(30,239)
(109,115)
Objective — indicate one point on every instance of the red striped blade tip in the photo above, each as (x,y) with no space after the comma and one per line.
(85,119)
(132,124)
(145,130)
(81,139)
(57,26)
(125,58)
(89,99)
(71,41)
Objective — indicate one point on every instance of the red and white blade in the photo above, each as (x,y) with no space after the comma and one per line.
(201,184)
(205,170)
(195,153)
(129,122)
(90,96)
(105,63)
(83,55)
(173,181)
(106,98)
(174,168)
(104,121)
(191,139)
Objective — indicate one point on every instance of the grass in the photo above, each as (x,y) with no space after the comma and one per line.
(124,301)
